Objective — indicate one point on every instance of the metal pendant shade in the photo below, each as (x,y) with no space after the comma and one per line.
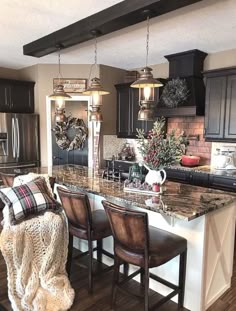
(59,93)
(95,90)
(95,87)
(146,84)
(146,80)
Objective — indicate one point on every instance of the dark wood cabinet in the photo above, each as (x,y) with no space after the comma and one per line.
(127,111)
(220,108)
(5,103)
(222,182)
(16,96)
(178,175)
(202,179)
(185,72)
(230,113)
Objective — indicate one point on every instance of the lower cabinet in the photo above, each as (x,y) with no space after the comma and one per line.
(202,179)
(195,178)
(222,182)
(178,175)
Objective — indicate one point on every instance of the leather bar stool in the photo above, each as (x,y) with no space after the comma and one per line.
(137,243)
(85,224)
(8,179)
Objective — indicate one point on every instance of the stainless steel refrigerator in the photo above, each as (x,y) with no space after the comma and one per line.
(19,140)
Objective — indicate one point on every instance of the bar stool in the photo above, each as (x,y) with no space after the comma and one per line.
(137,243)
(8,179)
(87,225)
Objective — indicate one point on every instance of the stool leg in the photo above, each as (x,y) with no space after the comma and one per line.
(69,255)
(90,249)
(126,269)
(115,280)
(182,275)
(99,250)
(146,288)
(142,277)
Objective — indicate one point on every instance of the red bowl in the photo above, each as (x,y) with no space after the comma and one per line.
(188,160)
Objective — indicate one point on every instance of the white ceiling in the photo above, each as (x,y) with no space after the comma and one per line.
(209,25)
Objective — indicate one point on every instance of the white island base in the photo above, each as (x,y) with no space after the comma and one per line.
(209,256)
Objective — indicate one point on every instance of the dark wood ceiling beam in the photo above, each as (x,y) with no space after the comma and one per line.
(116,17)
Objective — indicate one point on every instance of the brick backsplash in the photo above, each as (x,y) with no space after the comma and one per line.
(192,126)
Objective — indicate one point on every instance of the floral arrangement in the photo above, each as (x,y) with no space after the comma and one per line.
(158,149)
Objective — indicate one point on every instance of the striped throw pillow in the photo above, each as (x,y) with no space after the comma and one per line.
(29,199)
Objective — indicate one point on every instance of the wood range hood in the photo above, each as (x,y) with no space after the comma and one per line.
(187,65)
(116,17)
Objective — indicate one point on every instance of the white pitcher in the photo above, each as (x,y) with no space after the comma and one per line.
(155,176)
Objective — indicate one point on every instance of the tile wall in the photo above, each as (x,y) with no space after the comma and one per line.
(193,126)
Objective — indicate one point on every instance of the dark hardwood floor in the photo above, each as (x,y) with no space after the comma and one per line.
(100,300)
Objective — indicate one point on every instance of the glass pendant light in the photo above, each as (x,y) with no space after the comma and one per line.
(95,90)
(146,84)
(59,95)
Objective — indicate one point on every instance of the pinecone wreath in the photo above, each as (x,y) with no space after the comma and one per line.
(174,93)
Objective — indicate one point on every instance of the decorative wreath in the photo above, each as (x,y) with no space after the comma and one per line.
(174,93)
(62,139)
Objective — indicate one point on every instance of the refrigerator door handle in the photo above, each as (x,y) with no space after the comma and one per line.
(18,138)
(13,137)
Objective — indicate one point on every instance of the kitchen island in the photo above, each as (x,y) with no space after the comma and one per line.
(205,217)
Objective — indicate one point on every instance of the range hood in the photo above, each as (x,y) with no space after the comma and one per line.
(185,72)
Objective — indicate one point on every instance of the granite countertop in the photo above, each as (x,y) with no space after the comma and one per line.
(178,200)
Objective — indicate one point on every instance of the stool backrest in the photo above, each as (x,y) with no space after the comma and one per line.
(8,179)
(129,228)
(77,208)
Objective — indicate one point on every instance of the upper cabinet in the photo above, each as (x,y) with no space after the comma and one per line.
(220,110)
(184,93)
(127,111)
(16,96)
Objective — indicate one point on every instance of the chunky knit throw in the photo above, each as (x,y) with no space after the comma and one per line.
(35,252)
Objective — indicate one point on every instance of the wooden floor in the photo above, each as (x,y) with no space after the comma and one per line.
(99,301)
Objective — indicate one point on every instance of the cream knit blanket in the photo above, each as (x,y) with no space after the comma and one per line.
(35,252)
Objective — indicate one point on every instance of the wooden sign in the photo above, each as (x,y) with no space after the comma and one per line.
(71,85)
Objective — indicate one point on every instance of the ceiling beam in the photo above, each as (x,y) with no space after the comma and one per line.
(116,17)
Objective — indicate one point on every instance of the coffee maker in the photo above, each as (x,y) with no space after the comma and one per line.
(224,158)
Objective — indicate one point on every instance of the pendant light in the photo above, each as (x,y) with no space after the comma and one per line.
(59,95)
(146,84)
(95,90)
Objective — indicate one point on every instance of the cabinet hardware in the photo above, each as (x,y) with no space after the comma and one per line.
(234,183)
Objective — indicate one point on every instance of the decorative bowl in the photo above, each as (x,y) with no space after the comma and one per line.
(189,160)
